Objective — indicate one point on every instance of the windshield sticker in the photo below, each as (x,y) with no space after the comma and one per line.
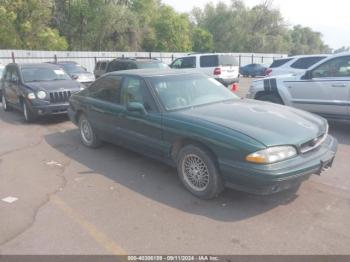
(59,72)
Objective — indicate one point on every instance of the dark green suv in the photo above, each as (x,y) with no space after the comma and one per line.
(134,63)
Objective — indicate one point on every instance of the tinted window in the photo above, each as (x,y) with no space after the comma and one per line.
(209,61)
(337,67)
(280,62)
(107,88)
(103,65)
(37,74)
(135,90)
(227,60)
(115,66)
(176,92)
(306,62)
(97,66)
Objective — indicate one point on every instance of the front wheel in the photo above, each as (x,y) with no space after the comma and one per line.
(29,116)
(87,134)
(198,172)
(5,105)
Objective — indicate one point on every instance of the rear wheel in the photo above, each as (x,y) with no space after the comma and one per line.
(198,172)
(87,134)
(5,105)
(271,98)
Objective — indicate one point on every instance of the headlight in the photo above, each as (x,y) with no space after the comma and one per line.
(41,94)
(31,96)
(272,155)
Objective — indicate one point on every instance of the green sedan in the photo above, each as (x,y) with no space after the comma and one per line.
(213,138)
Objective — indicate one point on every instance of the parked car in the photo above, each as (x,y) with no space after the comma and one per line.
(134,63)
(2,67)
(253,70)
(100,68)
(185,119)
(37,89)
(323,89)
(223,68)
(293,64)
(77,72)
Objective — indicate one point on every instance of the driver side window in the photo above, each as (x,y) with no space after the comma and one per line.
(337,67)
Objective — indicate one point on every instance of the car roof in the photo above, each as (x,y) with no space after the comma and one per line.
(36,65)
(301,56)
(156,72)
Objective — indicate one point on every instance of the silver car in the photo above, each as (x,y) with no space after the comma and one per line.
(323,89)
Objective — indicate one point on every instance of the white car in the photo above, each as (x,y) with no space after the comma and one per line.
(293,64)
(323,89)
(222,67)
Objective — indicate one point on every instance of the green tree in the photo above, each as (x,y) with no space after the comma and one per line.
(202,40)
(172,30)
(25,24)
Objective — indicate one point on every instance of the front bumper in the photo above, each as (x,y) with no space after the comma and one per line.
(49,109)
(273,178)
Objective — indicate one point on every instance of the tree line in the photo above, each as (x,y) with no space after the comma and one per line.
(150,25)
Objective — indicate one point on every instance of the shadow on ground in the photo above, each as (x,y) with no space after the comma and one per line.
(159,182)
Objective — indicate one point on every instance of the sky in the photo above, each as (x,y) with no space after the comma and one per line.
(331,18)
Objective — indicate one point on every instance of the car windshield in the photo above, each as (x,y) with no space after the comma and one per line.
(152,65)
(73,68)
(183,91)
(38,74)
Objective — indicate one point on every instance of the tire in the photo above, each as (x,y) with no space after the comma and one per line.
(5,105)
(190,161)
(29,116)
(271,98)
(87,134)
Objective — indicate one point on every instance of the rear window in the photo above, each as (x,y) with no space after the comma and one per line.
(280,62)
(306,62)
(227,60)
(217,60)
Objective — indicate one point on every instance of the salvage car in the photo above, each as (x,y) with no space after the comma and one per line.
(77,72)
(37,89)
(323,89)
(214,138)
(252,70)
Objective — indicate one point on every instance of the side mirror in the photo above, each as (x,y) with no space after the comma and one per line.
(75,77)
(307,75)
(136,107)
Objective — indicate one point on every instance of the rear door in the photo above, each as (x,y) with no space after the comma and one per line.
(12,85)
(327,92)
(229,66)
(104,108)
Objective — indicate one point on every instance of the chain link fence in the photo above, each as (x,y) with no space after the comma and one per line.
(89,59)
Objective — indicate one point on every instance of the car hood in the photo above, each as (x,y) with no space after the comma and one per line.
(54,85)
(268,123)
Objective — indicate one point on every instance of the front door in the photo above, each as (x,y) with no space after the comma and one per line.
(327,92)
(142,132)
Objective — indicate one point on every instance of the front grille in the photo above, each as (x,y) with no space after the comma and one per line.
(60,97)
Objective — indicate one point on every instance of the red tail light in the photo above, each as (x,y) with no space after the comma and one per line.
(217,71)
(234,87)
(268,71)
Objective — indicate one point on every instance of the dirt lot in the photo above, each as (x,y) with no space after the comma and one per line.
(74,200)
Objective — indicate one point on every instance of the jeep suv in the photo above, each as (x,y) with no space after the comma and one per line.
(223,68)
(323,89)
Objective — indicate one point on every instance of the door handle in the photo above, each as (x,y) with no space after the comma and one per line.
(339,85)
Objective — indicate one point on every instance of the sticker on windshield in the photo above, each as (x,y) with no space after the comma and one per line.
(215,81)
(59,72)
